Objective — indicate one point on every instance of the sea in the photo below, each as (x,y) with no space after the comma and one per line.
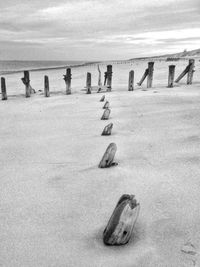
(14,66)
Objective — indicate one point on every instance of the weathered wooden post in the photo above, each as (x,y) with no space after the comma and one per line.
(131,81)
(122,221)
(67,78)
(102,98)
(109,74)
(108,129)
(190,71)
(108,157)
(143,77)
(99,80)
(106,114)
(171,76)
(150,74)
(3,89)
(46,86)
(106,105)
(88,83)
(26,82)
(105,77)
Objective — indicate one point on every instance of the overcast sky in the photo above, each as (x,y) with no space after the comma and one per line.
(97,29)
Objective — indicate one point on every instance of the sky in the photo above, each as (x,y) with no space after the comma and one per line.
(97,29)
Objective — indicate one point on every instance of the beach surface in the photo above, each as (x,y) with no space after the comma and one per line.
(56,202)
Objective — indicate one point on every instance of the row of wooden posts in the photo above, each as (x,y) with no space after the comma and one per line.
(121,223)
(189,70)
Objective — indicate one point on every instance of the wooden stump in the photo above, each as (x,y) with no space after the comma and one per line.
(106,105)
(108,157)
(150,74)
(171,76)
(190,71)
(143,77)
(102,98)
(67,78)
(3,89)
(26,82)
(108,129)
(88,83)
(120,226)
(46,86)
(106,114)
(131,81)
(109,77)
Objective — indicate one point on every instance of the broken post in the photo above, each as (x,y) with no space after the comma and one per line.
(108,129)
(3,89)
(122,221)
(108,157)
(106,105)
(109,77)
(88,83)
(131,81)
(190,71)
(143,77)
(46,86)
(102,98)
(26,82)
(171,76)
(150,74)
(67,78)
(106,114)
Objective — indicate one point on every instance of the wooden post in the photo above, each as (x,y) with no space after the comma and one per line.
(190,71)
(88,83)
(67,78)
(46,86)
(3,89)
(109,74)
(102,98)
(99,80)
(108,157)
(26,82)
(122,221)
(182,74)
(106,105)
(105,77)
(171,76)
(150,74)
(131,81)
(106,114)
(143,77)
(108,129)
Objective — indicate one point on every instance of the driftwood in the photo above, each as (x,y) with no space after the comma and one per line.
(131,81)
(120,226)
(171,76)
(46,86)
(150,74)
(88,83)
(109,77)
(190,71)
(108,129)
(106,105)
(67,78)
(3,89)
(143,77)
(102,98)
(106,114)
(108,157)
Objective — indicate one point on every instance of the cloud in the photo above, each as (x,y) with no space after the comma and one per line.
(124,28)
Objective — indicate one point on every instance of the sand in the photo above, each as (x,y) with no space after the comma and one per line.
(56,202)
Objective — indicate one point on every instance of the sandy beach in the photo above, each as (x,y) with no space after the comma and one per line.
(56,202)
